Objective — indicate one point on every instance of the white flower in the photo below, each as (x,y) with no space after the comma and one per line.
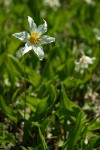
(7,2)
(52,3)
(35,39)
(83,63)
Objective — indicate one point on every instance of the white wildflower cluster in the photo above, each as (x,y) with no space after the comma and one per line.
(52,3)
(35,39)
(91,95)
(83,63)
(93,98)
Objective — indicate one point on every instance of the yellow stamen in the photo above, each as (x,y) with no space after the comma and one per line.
(84,59)
(34,38)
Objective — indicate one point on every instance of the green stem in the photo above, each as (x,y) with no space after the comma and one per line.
(24,89)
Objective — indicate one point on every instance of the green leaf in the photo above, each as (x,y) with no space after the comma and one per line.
(6,138)
(18,70)
(7,110)
(94,125)
(32,102)
(45,147)
(76,133)
(95,142)
(47,102)
(69,107)
(23,148)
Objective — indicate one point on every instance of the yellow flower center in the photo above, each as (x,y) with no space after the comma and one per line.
(84,59)
(34,38)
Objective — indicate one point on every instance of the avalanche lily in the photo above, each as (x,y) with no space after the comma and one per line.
(83,63)
(35,39)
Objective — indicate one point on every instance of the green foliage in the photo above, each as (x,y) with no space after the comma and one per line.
(48,105)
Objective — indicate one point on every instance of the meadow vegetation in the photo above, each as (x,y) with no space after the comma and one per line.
(53,103)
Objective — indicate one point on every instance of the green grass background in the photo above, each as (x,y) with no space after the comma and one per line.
(58,114)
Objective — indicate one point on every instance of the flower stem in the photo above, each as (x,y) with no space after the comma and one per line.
(24,89)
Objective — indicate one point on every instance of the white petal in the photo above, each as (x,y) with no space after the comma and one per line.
(45,39)
(19,52)
(28,44)
(92,60)
(42,28)
(26,49)
(39,51)
(85,65)
(76,63)
(23,36)
(32,25)
(77,66)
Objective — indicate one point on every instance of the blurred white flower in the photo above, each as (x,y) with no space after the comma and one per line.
(91,2)
(7,2)
(52,3)
(83,63)
(7,82)
(86,141)
(91,95)
(97,33)
(35,39)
